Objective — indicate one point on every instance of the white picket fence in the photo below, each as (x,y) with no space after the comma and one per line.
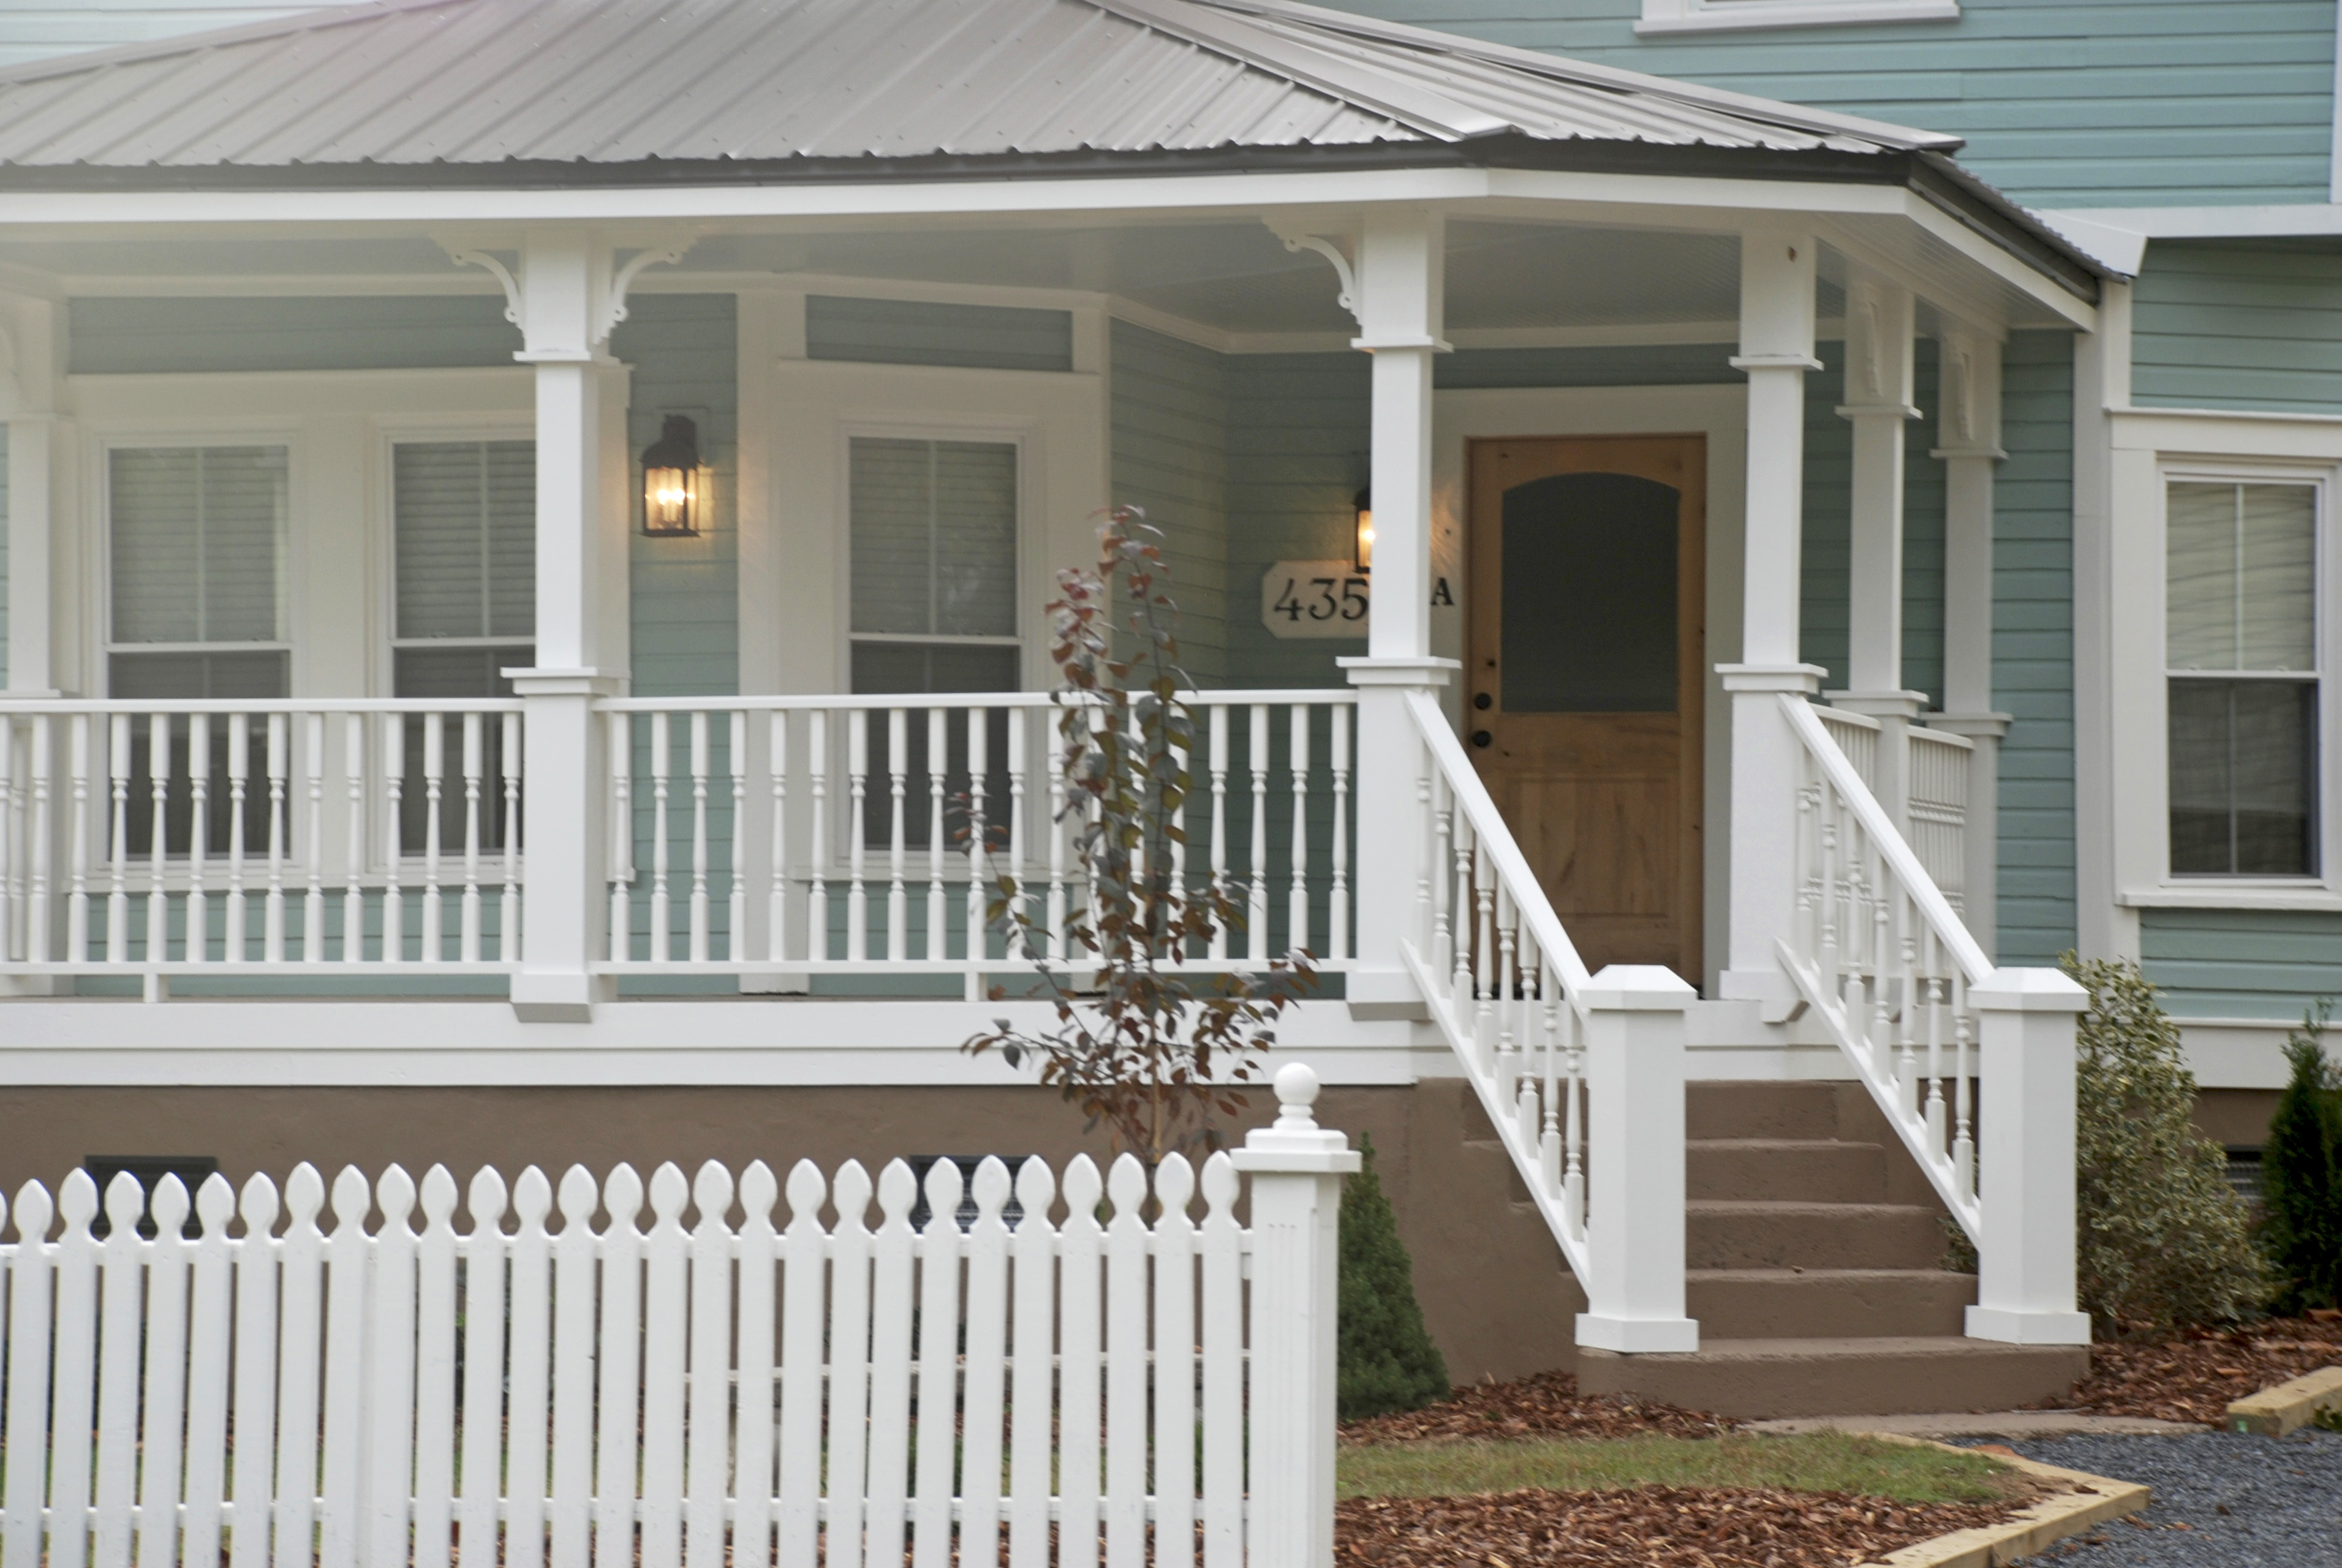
(1102,1387)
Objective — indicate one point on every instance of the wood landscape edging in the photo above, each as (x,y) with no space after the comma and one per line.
(2287,1406)
(2082,1501)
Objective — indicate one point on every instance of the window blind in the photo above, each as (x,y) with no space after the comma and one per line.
(466,520)
(199,543)
(934,548)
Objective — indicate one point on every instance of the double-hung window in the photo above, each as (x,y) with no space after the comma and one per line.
(464,517)
(2242,662)
(464,542)
(933,558)
(196,547)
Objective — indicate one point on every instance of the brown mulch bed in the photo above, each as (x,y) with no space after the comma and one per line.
(2194,1377)
(1544,1405)
(1719,1528)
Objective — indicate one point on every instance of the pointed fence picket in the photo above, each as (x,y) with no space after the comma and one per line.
(747,1387)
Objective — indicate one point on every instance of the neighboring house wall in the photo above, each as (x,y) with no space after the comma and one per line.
(2064,103)
(34,31)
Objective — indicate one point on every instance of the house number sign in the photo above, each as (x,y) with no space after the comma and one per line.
(1323,599)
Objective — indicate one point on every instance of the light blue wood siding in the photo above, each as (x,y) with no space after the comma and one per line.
(2064,103)
(2239,324)
(2241,963)
(917,331)
(2033,646)
(1296,459)
(37,29)
(687,617)
(121,336)
(1170,456)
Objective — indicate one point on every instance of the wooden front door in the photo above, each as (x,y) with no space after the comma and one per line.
(1584,668)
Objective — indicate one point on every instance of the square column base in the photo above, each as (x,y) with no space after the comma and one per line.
(560,997)
(2028,1327)
(1638,1336)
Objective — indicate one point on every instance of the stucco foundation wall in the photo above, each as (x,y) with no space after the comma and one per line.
(1488,1275)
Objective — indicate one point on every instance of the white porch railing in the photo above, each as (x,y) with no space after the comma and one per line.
(843,835)
(1582,1076)
(254,836)
(654,1395)
(1936,808)
(1881,956)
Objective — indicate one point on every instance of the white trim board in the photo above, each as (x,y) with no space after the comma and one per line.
(1720,413)
(1719,16)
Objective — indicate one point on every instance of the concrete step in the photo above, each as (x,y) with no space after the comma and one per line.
(1791,1169)
(1758,1379)
(1743,1234)
(1784,1304)
(1754,1109)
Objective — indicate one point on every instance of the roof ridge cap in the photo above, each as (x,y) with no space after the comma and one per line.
(1565,67)
(1433,114)
(312,20)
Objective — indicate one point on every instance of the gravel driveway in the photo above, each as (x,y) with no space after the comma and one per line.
(2221,1500)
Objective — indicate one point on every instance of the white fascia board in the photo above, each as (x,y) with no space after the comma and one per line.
(2298,220)
(480,1043)
(1725,202)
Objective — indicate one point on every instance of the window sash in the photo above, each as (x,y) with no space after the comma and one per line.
(197,547)
(932,530)
(463,528)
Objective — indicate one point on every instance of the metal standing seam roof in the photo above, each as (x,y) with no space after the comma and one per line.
(765,82)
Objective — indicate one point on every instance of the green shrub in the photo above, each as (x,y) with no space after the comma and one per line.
(1386,1360)
(2301,1173)
(2164,1241)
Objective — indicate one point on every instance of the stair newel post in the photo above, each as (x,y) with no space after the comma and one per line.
(1635,1234)
(1296,1169)
(2025,1069)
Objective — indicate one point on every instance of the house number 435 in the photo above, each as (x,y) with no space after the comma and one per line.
(1323,599)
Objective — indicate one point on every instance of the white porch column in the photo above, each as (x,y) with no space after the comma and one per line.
(1397,296)
(1969,429)
(564,306)
(1878,325)
(1776,349)
(2025,1158)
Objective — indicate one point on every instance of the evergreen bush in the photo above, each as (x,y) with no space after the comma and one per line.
(2301,1173)
(2164,1241)
(1386,1360)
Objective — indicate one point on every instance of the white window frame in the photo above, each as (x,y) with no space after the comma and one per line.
(1016,438)
(102,537)
(1724,15)
(2182,471)
(389,434)
(795,518)
(335,425)
(2151,448)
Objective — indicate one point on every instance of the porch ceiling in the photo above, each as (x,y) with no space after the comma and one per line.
(1233,278)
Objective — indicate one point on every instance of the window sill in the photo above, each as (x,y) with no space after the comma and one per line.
(1741,15)
(2300,895)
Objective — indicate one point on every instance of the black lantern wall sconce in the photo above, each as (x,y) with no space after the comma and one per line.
(675,483)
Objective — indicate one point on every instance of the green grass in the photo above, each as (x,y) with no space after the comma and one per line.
(1810,1461)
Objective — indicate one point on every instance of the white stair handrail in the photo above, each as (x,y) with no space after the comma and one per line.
(1882,958)
(1505,984)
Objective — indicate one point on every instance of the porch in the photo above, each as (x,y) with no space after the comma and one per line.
(599,635)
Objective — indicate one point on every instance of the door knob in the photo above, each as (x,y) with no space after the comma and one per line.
(1482,737)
